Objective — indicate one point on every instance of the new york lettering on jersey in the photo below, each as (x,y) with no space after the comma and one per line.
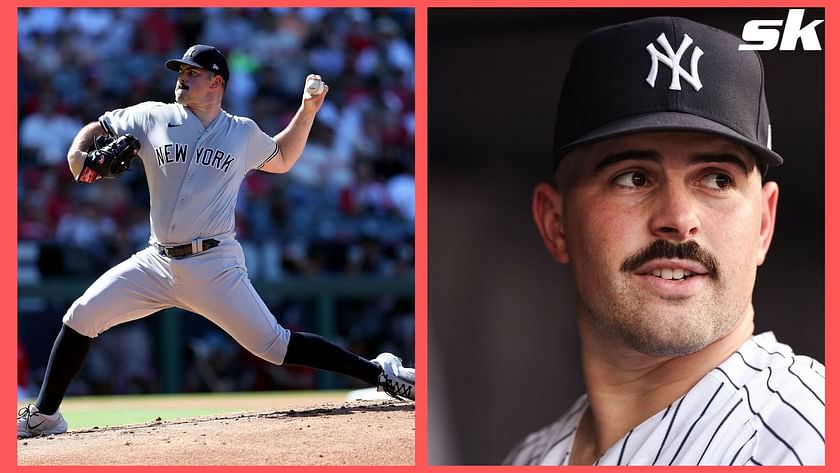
(204,156)
(215,158)
(171,153)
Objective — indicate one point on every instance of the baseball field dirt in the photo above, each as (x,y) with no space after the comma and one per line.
(332,433)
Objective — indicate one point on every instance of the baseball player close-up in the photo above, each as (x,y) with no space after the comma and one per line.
(195,156)
(660,208)
(663,207)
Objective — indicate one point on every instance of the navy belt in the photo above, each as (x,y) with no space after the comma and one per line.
(186,250)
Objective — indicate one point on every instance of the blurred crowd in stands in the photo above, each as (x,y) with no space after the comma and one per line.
(347,207)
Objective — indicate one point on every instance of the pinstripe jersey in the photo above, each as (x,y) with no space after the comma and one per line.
(193,172)
(762,406)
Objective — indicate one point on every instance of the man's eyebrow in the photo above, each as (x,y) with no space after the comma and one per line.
(628,155)
(721,158)
(649,155)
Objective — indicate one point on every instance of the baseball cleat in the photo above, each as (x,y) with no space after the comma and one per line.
(32,423)
(396,380)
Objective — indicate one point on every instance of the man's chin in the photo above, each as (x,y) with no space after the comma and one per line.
(673,333)
(667,347)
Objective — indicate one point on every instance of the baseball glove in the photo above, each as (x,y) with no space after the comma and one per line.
(108,157)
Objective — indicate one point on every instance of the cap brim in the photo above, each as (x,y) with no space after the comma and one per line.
(175,64)
(669,121)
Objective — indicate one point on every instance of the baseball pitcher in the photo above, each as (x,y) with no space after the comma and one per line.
(661,209)
(195,156)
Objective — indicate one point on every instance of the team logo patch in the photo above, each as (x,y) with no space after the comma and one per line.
(672,59)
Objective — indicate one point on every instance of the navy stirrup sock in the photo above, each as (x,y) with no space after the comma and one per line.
(309,349)
(66,359)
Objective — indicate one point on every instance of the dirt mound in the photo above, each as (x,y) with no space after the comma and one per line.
(355,433)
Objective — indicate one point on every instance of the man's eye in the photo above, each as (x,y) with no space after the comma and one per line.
(716,181)
(632,179)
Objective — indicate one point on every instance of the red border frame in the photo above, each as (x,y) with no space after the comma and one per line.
(8,242)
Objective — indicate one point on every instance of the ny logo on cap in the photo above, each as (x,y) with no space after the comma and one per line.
(190,52)
(672,59)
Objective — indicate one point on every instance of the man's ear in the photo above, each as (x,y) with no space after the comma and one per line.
(547,207)
(769,199)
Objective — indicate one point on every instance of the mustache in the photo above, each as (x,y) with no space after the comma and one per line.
(690,250)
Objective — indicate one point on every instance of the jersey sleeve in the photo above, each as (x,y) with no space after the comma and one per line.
(261,147)
(134,120)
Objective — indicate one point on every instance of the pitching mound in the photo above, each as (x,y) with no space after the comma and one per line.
(355,433)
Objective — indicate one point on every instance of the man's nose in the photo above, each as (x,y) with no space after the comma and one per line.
(675,216)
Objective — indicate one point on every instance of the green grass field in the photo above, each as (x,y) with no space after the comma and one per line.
(84,412)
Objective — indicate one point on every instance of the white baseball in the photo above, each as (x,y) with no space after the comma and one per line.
(314,87)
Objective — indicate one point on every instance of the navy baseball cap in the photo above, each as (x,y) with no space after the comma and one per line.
(205,57)
(663,74)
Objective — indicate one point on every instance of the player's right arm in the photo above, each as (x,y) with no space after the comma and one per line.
(81,143)
(291,141)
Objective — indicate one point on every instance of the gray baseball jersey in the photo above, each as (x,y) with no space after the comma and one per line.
(762,406)
(194,174)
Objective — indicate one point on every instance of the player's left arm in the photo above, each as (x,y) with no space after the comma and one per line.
(81,144)
(290,142)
